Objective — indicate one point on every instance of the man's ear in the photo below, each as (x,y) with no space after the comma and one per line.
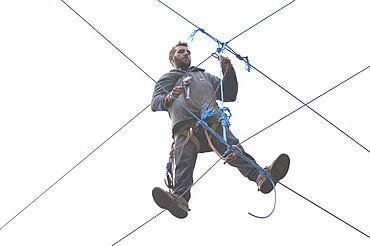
(171,59)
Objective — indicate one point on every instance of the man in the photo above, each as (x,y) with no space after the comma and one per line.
(193,88)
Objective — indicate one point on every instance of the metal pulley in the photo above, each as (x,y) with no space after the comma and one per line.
(187,81)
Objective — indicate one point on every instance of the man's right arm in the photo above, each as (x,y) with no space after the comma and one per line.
(157,102)
(161,100)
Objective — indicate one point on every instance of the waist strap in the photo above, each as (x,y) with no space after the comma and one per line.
(183,131)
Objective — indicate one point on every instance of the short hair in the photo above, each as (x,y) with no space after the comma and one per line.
(180,43)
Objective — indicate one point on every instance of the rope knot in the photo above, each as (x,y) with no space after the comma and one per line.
(239,57)
(203,123)
(191,37)
(226,115)
(221,47)
(230,153)
(206,112)
(245,59)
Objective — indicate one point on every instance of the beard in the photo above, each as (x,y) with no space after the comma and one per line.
(181,64)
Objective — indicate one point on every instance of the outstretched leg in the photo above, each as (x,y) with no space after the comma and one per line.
(278,169)
(243,166)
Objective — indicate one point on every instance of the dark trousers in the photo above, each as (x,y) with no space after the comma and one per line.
(186,157)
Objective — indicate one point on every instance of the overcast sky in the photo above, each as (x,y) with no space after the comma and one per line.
(65,90)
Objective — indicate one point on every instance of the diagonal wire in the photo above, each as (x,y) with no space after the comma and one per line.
(306,105)
(260,21)
(318,206)
(51,186)
(216,40)
(178,14)
(108,40)
(146,222)
(198,28)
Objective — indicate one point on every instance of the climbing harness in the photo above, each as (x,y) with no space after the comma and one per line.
(170,167)
(230,156)
(206,112)
(189,130)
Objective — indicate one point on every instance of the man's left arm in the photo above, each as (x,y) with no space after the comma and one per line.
(229,82)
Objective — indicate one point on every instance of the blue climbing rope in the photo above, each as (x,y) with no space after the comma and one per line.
(273,209)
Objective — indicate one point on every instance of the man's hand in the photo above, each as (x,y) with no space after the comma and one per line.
(226,64)
(176,92)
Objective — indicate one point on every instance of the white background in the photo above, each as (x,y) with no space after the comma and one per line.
(65,90)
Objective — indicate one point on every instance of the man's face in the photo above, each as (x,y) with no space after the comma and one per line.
(181,58)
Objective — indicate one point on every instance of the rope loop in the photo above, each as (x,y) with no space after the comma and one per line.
(206,112)
(191,37)
(221,47)
(230,153)
(247,64)
(273,209)
(226,115)
(246,60)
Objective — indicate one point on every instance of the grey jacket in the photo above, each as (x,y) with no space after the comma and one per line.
(202,88)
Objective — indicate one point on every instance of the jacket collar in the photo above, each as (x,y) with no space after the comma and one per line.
(191,69)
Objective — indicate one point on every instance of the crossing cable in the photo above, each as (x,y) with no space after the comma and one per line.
(146,222)
(230,148)
(260,21)
(74,167)
(198,28)
(224,44)
(306,104)
(318,206)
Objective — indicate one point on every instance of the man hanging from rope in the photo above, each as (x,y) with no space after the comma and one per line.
(194,88)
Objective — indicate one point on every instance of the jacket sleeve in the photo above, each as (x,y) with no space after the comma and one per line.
(158,103)
(230,87)
(167,81)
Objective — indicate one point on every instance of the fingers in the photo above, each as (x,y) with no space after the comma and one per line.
(225,59)
(226,63)
(176,92)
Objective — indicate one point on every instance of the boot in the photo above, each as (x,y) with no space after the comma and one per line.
(177,205)
(278,169)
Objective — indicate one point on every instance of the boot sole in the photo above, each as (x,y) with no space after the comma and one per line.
(279,169)
(166,201)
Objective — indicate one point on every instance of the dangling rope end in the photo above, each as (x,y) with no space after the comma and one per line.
(206,112)
(191,37)
(247,64)
(246,60)
(221,47)
(273,209)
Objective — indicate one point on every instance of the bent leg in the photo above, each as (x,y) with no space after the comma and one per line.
(246,169)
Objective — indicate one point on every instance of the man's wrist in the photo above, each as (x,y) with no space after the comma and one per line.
(167,100)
